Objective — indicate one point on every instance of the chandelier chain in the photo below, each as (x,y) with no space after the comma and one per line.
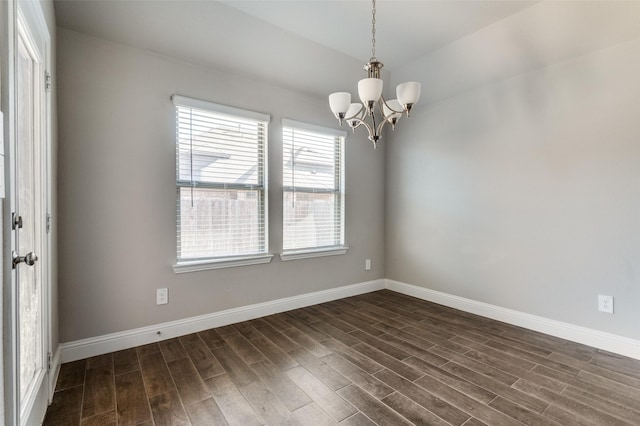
(373,30)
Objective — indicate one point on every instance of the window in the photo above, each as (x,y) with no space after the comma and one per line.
(313,190)
(221,183)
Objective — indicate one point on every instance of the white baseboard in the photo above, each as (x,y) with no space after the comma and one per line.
(598,339)
(99,345)
(56,361)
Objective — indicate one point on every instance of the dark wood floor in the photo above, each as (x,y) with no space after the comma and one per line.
(378,358)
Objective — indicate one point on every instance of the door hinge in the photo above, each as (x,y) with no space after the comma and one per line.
(48,361)
(48,224)
(47,81)
(16,221)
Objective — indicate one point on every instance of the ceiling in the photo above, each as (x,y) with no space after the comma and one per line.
(307,45)
(405,29)
(319,46)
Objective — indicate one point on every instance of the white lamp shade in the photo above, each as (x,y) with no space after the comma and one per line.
(394,110)
(370,89)
(353,110)
(408,93)
(339,102)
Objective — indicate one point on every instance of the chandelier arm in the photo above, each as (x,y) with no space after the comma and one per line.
(362,123)
(382,101)
(380,126)
(374,133)
(355,116)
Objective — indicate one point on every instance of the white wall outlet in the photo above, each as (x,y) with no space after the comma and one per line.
(367,265)
(162,296)
(605,303)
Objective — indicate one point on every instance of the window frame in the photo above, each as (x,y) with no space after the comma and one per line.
(231,260)
(339,190)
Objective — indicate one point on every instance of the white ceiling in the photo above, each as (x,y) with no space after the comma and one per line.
(405,29)
(307,45)
(320,46)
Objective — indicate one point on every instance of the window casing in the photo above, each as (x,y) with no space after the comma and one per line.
(313,190)
(221,185)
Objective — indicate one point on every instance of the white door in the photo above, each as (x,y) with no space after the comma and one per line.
(30,199)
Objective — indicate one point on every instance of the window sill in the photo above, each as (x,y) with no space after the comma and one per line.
(228,262)
(306,254)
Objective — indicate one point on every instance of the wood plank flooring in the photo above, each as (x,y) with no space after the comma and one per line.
(379,358)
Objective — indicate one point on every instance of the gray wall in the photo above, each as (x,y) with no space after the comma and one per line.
(116,189)
(525,193)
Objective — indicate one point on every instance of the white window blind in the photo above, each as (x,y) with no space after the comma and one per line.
(313,187)
(221,175)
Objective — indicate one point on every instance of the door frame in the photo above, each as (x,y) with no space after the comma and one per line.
(32,14)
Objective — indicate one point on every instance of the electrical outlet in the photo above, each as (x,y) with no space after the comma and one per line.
(605,303)
(162,296)
(367,265)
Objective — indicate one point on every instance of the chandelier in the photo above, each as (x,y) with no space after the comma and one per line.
(370,93)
